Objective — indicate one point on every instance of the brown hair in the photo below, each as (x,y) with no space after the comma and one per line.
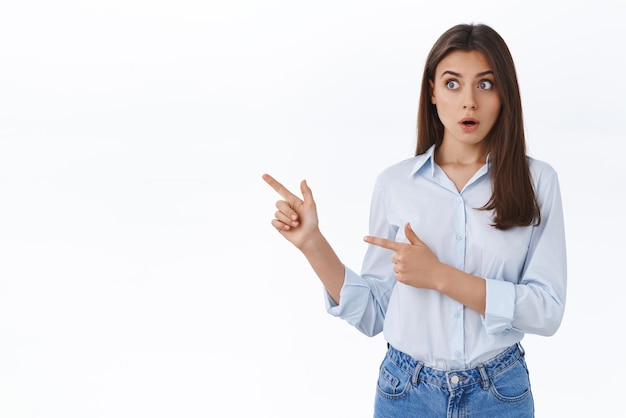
(513,199)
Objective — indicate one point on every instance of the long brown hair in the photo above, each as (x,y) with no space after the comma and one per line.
(513,199)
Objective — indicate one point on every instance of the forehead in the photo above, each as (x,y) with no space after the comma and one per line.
(464,62)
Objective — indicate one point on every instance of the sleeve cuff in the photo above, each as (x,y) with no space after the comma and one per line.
(350,280)
(500,306)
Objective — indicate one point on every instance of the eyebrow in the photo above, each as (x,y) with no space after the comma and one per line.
(484,73)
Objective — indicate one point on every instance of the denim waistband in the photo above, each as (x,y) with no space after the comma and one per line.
(457,378)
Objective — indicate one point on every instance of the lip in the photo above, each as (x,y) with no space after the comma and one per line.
(463,123)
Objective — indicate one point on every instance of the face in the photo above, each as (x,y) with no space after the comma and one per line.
(466,97)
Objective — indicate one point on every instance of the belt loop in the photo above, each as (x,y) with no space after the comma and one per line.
(450,388)
(416,373)
(483,374)
(521,349)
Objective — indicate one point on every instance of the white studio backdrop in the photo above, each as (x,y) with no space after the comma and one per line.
(139,273)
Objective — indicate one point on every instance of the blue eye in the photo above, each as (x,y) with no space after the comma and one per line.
(452,84)
(485,85)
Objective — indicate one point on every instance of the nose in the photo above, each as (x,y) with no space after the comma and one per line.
(469,102)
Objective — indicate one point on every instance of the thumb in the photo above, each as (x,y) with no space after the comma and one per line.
(307,193)
(411,236)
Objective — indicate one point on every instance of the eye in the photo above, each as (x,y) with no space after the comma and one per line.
(452,84)
(485,85)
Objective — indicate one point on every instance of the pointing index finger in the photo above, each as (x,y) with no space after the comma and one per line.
(382,242)
(280,189)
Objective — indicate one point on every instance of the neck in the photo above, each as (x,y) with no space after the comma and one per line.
(462,154)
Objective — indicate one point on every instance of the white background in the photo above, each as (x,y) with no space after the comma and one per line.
(139,273)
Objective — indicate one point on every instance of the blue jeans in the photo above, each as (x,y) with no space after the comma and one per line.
(498,389)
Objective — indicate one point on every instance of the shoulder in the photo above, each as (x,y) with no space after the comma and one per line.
(544,177)
(540,170)
(398,171)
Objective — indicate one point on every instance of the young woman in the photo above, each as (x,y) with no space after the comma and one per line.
(467,246)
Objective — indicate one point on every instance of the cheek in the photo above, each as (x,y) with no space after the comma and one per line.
(494,104)
(442,101)
(445,108)
(495,109)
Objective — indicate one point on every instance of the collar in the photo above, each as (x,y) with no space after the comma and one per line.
(427,161)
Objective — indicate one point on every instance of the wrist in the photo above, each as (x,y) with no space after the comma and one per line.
(441,277)
(314,241)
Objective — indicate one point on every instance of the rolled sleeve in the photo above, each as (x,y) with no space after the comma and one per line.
(500,308)
(351,287)
(357,305)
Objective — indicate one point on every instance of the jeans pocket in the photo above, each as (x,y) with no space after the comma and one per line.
(512,384)
(393,381)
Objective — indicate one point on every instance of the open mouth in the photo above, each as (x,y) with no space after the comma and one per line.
(469,125)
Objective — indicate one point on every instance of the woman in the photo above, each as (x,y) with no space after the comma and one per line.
(467,249)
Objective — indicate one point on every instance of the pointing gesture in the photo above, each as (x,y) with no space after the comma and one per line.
(414,264)
(296,219)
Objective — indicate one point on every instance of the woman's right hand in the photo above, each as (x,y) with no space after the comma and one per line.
(296,219)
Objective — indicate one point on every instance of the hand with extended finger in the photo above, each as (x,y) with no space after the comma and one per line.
(296,219)
(414,264)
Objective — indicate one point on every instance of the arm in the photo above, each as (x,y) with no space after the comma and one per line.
(296,220)
(536,303)
(364,297)
(416,265)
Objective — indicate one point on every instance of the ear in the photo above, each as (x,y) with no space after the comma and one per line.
(433,99)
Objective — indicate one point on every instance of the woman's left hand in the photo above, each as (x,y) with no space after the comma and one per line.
(414,263)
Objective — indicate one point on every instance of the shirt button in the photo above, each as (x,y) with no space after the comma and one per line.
(454,379)
(457,354)
(459,200)
(459,237)
(457,314)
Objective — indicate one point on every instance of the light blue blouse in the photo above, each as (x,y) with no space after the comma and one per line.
(524,267)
